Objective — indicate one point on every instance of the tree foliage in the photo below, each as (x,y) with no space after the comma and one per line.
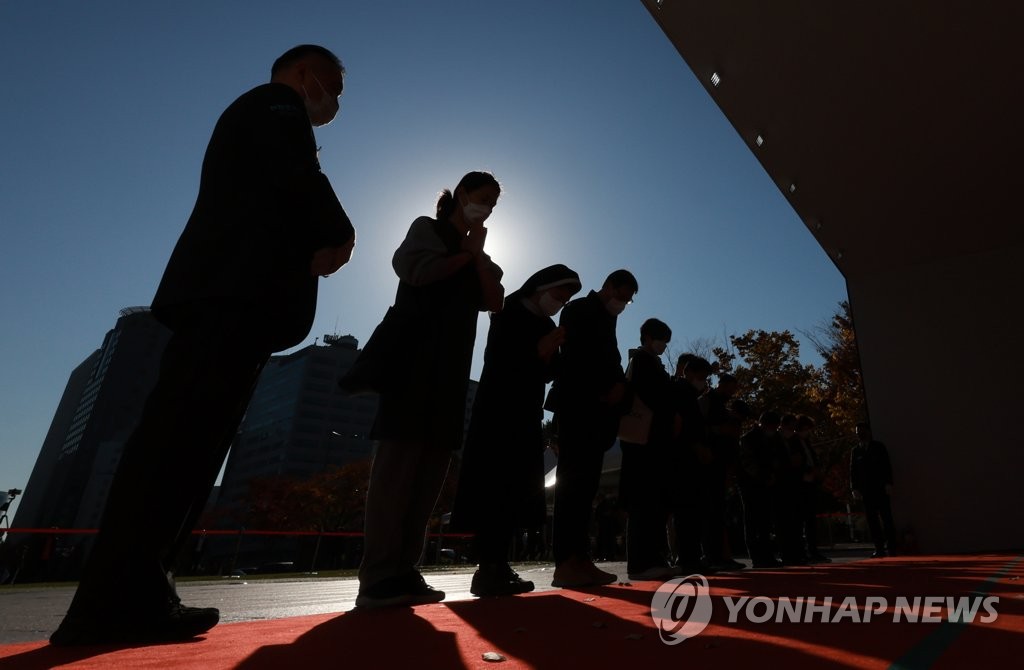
(769,371)
(842,388)
(333,500)
(771,376)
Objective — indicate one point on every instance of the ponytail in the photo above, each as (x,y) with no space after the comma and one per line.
(445,205)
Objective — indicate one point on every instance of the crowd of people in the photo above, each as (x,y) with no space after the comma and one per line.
(242,284)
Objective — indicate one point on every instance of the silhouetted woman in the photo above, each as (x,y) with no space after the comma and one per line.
(445,280)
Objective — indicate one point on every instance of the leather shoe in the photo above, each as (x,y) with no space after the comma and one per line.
(576,572)
(176,624)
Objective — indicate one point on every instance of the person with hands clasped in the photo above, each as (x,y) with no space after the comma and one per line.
(588,398)
(241,284)
(445,279)
(501,482)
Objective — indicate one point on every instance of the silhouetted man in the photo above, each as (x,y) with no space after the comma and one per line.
(240,285)
(724,431)
(871,480)
(587,398)
(692,456)
(757,477)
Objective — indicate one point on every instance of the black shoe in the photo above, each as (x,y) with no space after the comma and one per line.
(176,624)
(820,558)
(879,553)
(409,589)
(498,580)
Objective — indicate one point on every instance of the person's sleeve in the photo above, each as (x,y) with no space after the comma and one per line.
(420,258)
(653,388)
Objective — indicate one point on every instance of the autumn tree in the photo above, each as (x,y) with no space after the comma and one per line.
(770,374)
(333,500)
(842,393)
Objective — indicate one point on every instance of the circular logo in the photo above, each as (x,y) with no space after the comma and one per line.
(681,608)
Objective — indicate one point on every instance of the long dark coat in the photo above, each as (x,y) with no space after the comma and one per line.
(501,482)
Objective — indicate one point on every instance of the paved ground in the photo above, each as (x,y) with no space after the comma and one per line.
(30,613)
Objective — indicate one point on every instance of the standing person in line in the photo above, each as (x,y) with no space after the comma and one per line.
(809,488)
(588,399)
(241,284)
(788,492)
(445,280)
(501,481)
(645,478)
(757,476)
(691,455)
(871,481)
(724,431)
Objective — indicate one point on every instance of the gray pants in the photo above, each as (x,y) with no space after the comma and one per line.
(405,481)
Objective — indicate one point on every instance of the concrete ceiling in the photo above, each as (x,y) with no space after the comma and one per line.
(895,129)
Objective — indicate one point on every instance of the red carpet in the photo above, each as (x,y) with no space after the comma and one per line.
(611,627)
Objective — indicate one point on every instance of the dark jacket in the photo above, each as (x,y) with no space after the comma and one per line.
(870,469)
(758,458)
(692,421)
(591,362)
(264,207)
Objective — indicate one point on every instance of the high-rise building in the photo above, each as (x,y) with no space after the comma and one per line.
(298,422)
(101,405)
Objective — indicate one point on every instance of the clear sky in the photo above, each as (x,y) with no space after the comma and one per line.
(609,151)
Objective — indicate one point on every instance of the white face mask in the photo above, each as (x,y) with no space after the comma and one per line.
(321,109)
(615,306)
(549,305)
(475,214)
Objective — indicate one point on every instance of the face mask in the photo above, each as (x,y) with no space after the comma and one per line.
(475,214)
(318,110)
(549,306)
(615,306)
(659,346)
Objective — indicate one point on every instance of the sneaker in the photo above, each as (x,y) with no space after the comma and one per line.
(176,624)
(578,572)
(498,580)
(657,573)
(406,590)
